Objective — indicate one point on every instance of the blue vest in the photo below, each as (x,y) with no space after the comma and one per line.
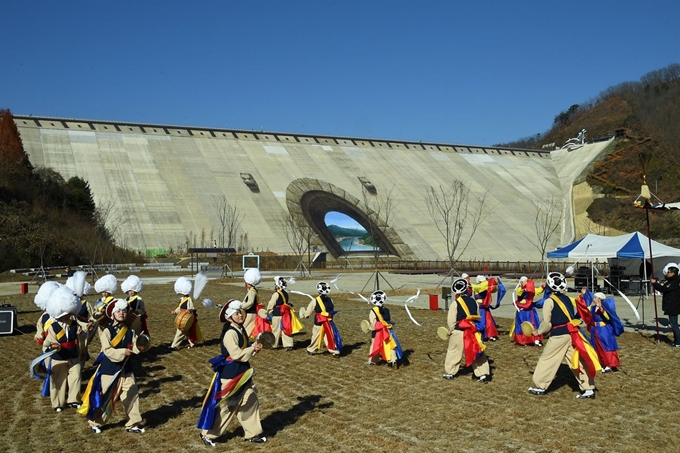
(327,302)
(234,368)
(109,367)
(66,353)
(282,298)
(558,318)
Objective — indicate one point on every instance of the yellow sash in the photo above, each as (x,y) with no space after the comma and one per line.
(468,316)
(322,306)
(589,349)
(47,324)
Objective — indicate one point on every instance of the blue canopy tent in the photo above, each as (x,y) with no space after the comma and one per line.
(628,248)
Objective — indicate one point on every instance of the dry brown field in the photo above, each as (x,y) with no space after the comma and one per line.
(320,404)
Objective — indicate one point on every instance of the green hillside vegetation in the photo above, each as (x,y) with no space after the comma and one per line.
(338,231)
(644,117)
(45,220)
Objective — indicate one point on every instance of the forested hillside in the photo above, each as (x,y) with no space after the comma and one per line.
(45,220)
(645,118)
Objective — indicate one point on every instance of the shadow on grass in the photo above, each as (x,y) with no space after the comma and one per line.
(161,415)
(405,354)
(277,421)
(564,377)
(347,349)
(154,386)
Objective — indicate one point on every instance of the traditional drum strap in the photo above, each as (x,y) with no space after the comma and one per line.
(184,299)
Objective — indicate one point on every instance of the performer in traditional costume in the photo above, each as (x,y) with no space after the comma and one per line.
(232,392)
(604,326)
(44,321)
(560,317)
(526,312)
(190,331)
(324,330)
(284,322)
(132,286)
(251,303)
(62,336)
(465,341)
(85,316)
(384,342)
(483,290)
(114,379)
(106,286)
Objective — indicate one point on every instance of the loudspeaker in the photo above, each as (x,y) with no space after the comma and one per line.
(580,282)
(8,319)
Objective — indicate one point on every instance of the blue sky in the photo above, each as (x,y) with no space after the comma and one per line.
(438,71)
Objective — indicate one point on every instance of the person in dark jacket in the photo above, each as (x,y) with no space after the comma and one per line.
(670,303)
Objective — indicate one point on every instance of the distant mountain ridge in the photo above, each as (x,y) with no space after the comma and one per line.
(338,231)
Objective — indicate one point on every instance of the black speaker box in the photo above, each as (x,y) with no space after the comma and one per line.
(8,319)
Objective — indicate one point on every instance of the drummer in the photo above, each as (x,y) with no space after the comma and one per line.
(233,376)
(186,316)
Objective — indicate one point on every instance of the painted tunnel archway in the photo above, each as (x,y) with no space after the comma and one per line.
(310,200)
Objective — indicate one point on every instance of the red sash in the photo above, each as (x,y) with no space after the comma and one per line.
(470,344)
(286,320)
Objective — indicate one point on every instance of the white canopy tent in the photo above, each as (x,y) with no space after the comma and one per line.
(628,250)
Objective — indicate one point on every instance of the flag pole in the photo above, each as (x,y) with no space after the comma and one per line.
(651,261)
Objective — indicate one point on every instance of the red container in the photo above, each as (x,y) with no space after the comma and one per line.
(434,302)
(24,288)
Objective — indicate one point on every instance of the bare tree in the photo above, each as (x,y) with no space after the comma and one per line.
(455,216)
(548,216)
(230,220)
(299,235)
(107,228)
(380,209)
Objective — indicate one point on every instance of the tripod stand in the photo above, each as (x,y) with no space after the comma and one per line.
(376,285)
(40,277)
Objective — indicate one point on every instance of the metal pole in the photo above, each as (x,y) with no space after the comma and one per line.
(651,262)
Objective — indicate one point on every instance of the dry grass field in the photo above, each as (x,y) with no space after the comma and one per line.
(320,404)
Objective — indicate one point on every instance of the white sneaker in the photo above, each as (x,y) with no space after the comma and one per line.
(536,391)
(96,429)
(586,394)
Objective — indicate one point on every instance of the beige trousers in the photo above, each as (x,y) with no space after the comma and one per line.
(129,396)
(245,406)
(249,323)
(454,357)
(286,341)
(317,331)
(556,350)
(65,378)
